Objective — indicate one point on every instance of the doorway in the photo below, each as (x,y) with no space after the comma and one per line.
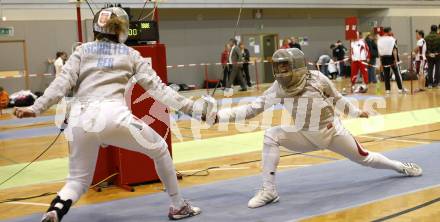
(269,47)
(261,47)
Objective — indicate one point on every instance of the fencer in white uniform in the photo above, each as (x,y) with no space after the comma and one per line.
(98,73)
(312,100)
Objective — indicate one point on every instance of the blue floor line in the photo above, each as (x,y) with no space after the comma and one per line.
(28,133)
(304,192)
(15,121)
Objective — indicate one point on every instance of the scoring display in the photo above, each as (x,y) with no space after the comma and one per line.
(142,31)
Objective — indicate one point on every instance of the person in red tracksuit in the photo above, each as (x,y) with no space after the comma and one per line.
(360,56)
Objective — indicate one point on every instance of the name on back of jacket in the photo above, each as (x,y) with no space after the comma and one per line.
(106,48)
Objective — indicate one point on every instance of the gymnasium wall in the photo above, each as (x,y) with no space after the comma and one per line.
(198,36)
(43,40)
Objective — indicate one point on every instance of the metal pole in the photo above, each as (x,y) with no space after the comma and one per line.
(26,66)
(78,20)
(411,73)
(156,17)
(206,79)
(256,75)
(351,66)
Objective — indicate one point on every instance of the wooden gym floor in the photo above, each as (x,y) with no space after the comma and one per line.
(23,150)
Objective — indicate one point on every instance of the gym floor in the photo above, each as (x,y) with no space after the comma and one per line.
(411,120)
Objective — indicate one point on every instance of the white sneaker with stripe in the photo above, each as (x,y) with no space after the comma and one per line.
(412,170)
(263,197)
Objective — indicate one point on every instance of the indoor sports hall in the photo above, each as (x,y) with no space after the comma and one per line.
(233,110)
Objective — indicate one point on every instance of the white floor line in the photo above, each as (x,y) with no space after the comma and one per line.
(297,165)
(28,203)
(397,140)
(216,169)
(230,168)
(241,168)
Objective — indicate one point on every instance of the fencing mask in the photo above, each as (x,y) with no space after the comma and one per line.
(102,17)
(290,70)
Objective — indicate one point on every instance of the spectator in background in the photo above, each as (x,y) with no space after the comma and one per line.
(286,43)
(338,51)
(322,65)
(433,57)
(327,66)
(235,61)
(4,98)
(332,70)
(420,59)
(294,43)
(224,61)
(359,56)
(374,54)
(60,60)
(387,47)
(246,58)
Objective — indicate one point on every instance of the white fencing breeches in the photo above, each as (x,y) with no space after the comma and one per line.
(111,123)
(337,140)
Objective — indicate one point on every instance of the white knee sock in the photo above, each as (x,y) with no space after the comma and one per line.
(379,161)
(271,158)
(347,146)
(167,174)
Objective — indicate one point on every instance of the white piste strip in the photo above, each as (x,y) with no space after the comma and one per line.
(28,203)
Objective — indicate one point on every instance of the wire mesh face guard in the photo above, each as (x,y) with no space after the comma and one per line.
(281,68)
(101,18)
(288,66)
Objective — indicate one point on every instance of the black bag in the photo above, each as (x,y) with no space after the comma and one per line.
(24,101)
(184,87)
(347,71)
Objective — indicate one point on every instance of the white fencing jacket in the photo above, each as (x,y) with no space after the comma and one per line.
(101,70)
(313,109)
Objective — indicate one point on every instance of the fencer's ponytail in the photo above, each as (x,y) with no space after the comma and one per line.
(115,25)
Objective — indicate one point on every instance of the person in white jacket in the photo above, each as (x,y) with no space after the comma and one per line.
(389,59)
(311,98)
(59,62)
(420,59)
(98,73)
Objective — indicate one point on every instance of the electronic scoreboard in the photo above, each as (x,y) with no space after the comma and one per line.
(142,32)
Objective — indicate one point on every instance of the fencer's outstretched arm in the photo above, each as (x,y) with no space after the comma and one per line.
(341,103)
(148,79)
(265,101)
(62,84)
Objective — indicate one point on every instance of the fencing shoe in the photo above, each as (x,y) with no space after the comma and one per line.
(50,216)
(263,197)
(58,208)
(403,91)
(185,211)
(412,170)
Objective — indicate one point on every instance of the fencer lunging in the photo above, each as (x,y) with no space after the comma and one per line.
(98,73)
(312,100)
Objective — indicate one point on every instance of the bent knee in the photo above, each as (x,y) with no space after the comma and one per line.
(271,136)
(157,150)
(369,160)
